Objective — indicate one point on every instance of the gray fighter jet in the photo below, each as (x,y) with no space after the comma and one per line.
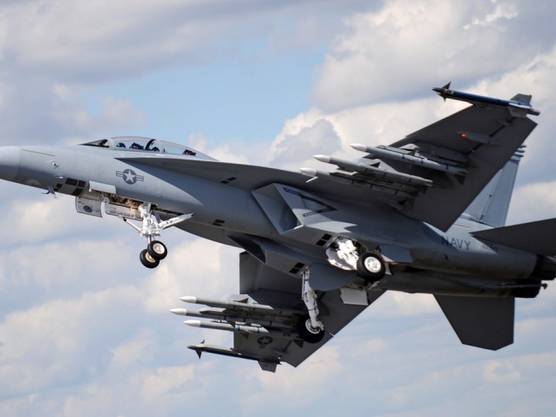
(424,215)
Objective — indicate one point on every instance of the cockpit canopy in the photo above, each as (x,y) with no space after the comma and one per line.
(142,144)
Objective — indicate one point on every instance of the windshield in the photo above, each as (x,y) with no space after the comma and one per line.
(142,144)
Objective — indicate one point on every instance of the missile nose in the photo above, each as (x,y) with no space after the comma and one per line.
(10,157)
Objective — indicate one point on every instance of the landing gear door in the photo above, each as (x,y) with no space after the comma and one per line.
(89,204)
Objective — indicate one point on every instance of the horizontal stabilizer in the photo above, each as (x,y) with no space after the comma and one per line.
(536,237)
(484,322)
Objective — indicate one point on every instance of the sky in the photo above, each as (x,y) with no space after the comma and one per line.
(85,329)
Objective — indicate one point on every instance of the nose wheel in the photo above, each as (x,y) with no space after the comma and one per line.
(148,260)
(151,227)
(155,252)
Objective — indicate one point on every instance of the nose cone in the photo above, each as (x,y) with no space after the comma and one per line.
(10,157)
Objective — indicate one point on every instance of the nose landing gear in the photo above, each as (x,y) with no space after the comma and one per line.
(151,228)
(157,249)
(147,260)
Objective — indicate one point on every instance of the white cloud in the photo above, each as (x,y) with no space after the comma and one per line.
(45,346)
(501,11)
(299,385)
(292,150)
(200,268)
(404,49)
(497,372)
(138,349)
(536,201)
(167,380)
(371,346)
(46,217)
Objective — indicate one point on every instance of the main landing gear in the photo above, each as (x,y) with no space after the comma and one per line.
(310,328)
(151,227)
(371,266)
(349,256)
(344,254)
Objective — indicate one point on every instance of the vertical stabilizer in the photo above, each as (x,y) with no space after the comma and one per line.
(492,204)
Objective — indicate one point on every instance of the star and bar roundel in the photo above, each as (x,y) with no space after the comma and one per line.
(129,176)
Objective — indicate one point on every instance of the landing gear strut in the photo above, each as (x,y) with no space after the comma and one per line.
(151,227)
(311,329)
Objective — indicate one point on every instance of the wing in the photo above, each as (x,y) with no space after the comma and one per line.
(435,173)
(432,175)
(265,331)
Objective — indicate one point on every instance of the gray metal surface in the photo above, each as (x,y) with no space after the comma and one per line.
(308,236)
(536,237)
(482,322)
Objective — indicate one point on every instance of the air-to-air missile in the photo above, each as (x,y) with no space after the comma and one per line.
(227,327)
(268,364)
(236,316)
(520,102)
(370,171)
(236,305)
(395,154)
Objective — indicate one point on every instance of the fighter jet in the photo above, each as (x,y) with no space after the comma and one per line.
(425,214)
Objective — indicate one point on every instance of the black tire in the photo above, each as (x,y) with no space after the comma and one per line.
(371,266)
(147,260)
(157,250)
(309,336)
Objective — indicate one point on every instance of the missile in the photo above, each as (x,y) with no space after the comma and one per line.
(520,103)
(227,327)
(180,311)
(368,170)
(346,178)
(310,172)
(244,317)
(236,305)
(397,155)
(202,347)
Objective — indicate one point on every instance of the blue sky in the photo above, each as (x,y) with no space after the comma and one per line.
(85,329)
(243,98)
